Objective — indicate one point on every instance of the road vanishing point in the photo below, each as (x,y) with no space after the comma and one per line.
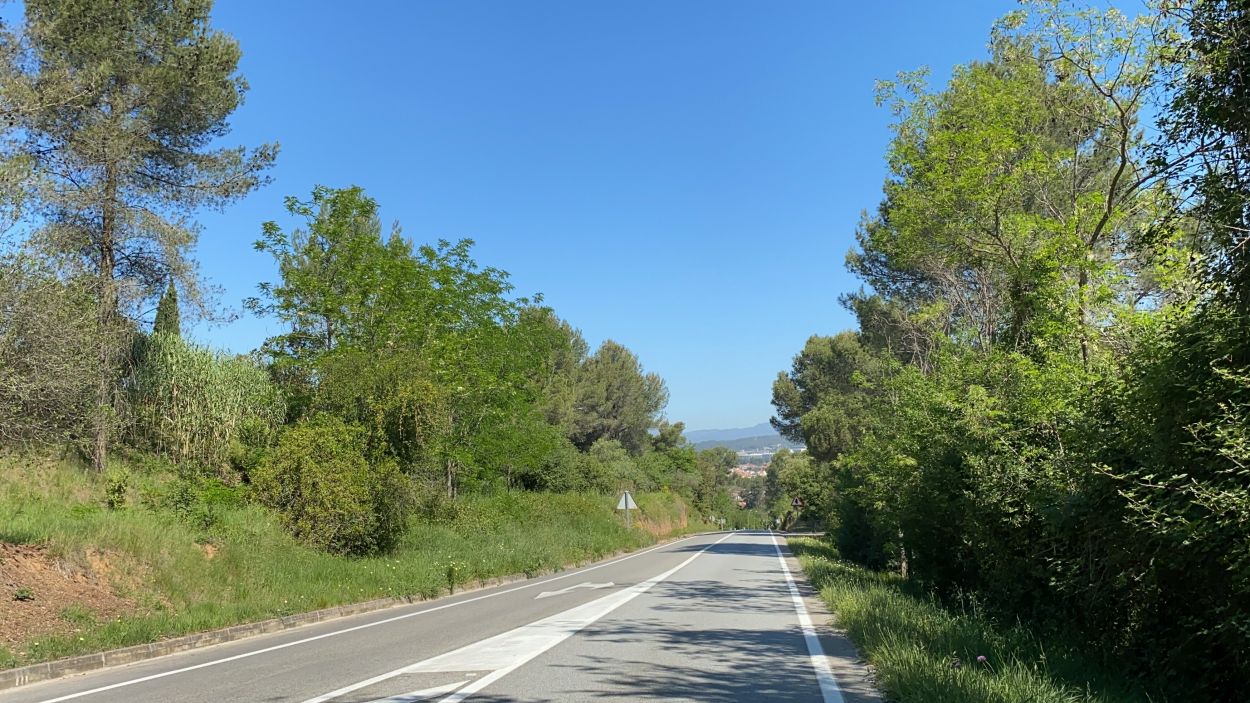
(714,617)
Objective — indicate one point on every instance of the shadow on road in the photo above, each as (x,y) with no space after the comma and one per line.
(762,665)
(754,549)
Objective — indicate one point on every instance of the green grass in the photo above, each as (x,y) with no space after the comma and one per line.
(257,571)
(913,643)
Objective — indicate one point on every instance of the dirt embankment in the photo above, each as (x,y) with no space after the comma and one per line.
(41,595)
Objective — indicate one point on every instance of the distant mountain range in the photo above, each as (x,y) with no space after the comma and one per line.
(757,437)
(760,430)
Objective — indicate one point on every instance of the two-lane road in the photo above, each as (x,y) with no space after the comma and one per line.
(721,617)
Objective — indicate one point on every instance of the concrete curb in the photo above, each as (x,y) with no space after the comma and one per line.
(12,678)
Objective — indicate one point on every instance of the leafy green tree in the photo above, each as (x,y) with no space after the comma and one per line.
(557,375)
(822,400)
(1206,131)
(668,436)
(1019,192)
(713,466)
(340,281)
(419,345)
(115,108)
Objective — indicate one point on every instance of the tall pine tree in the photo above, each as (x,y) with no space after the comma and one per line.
(113,109)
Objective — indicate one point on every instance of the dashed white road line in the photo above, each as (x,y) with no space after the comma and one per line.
(324,635)
(820,663)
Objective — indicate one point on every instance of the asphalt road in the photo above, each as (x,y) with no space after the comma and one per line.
(720,617)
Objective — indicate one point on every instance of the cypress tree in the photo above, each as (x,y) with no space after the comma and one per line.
(167,319)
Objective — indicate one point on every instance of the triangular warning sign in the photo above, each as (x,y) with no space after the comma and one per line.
(627,502)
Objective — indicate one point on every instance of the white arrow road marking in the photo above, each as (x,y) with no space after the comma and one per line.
(504,653)
(422,694)
(562,591)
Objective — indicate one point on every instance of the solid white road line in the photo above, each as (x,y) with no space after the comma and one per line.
(505,652)
(322,636)
(820,663)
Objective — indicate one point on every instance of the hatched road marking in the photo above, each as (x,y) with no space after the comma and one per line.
(506,652)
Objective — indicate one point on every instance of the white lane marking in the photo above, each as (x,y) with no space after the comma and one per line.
(820,663)
(266,650)
(570,589)
(423,694)
(504,652)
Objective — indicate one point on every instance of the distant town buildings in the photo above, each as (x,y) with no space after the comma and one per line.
(749,470)
(753,463)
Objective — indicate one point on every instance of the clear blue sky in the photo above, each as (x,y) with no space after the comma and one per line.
(682,177)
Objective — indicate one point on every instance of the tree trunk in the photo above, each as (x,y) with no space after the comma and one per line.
(1082,283)
(902,558)
(106,317)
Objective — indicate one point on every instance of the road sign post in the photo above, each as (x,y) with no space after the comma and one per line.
(627,504)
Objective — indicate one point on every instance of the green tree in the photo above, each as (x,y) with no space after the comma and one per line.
(669,436)
(557,376)
(115,108)
(1207,130)
(823,400)
(713,466)
(616,400)
(419,345)
(168,320)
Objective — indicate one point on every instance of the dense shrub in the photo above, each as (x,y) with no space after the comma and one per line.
(328,493)
(47,391)
(196,500)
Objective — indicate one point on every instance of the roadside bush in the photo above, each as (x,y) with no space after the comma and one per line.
(328,493)
(201,502)
(116,488)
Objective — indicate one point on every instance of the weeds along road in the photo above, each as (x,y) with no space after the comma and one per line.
(719,617)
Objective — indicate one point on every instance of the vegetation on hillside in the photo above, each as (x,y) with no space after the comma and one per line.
(411,394)
(192,554)
(1046,404)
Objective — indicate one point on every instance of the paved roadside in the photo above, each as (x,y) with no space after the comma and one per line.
(710,617)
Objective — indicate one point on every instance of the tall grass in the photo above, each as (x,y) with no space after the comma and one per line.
(189,402)
(254,570)
(923,652)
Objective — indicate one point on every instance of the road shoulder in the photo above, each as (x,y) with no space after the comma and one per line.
(852,672)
